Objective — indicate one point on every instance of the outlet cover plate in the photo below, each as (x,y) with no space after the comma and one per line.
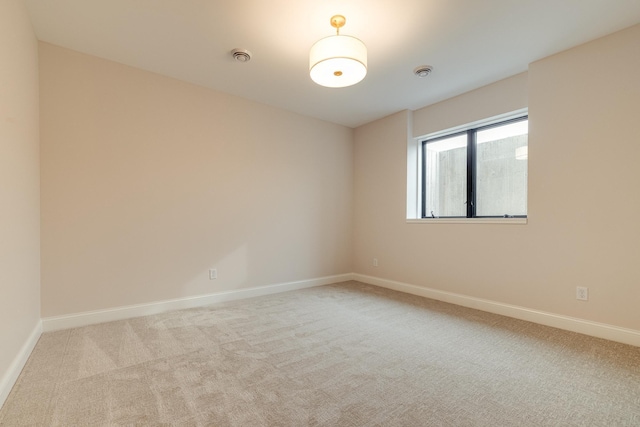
(582,293)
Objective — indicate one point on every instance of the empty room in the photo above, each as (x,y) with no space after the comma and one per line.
(331,213)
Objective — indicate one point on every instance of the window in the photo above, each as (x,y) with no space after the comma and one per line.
(477,173)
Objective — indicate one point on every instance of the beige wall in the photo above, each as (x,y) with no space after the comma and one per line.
(583,198)
(19,185)
(148,182)
(492,100)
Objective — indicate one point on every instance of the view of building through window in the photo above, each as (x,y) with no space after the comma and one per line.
(501,174)
(497,163)
(446,176)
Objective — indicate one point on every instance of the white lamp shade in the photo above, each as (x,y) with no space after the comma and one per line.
(338,61)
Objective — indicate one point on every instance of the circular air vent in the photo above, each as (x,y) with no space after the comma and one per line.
(423,70)
(241,55)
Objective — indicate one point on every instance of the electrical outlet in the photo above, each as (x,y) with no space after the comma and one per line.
(582,293)
(375,262)
(213,274)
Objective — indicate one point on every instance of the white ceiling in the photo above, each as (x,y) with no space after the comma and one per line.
(470,43)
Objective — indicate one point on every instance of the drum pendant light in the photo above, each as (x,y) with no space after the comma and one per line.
(338,61)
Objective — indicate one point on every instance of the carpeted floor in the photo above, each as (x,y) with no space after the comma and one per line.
(341,355)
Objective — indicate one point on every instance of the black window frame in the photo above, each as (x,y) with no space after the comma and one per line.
(471,168)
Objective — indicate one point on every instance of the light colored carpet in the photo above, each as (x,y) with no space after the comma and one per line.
(340,355)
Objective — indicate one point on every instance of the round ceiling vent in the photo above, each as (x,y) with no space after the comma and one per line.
(423,70)
(241,55)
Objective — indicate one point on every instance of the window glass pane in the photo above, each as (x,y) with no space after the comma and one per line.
(501,174)
(446,177)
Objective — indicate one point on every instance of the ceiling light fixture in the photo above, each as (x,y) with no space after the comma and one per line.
(338,61)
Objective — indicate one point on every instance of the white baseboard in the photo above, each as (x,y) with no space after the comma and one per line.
(9,379)
(126,312)
(599,330)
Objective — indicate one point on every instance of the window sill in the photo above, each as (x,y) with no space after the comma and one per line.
(510,221)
